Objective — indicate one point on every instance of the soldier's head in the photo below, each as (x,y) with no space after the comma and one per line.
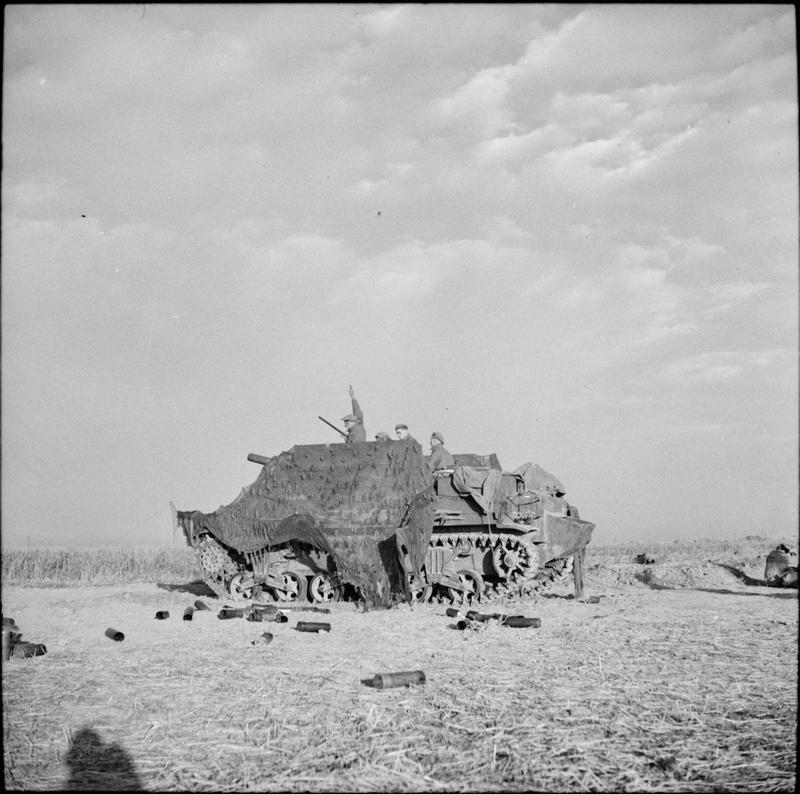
(401,430)
(382,436)
(437,439)
(349,421)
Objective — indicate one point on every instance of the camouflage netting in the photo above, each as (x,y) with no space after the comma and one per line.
(369,505)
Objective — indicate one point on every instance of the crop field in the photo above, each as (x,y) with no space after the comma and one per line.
(681,675)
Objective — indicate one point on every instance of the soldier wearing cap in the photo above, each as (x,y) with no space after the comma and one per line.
(402,432)
(381,436)
(354,422)
(440,458)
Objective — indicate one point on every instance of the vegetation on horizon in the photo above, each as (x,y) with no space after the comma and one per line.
(62,567)
(54,567)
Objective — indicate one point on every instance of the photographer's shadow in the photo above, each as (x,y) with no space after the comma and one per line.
(96,766)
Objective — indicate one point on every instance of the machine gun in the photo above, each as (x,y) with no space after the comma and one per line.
(340,432)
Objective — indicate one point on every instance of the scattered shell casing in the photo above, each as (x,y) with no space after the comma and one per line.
(311,626)
(520,622)
(226,613)
(406,678)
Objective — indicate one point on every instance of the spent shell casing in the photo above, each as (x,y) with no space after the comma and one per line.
(451,612)
(482,617)
(311,626)
(254,617)
(406,678)
(200,606)
(264,639)
(187,613)
(162,614)
(115,635)
(279,617)
(519,622)
(226,613)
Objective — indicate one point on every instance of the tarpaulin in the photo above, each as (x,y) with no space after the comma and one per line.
(369,505)
(536,478)
(479,483)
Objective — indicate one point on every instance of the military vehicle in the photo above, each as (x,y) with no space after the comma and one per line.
(370,519)
(497,532)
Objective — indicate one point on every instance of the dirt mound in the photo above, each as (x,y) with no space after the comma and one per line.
(672,575)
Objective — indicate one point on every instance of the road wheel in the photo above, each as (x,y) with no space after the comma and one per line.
(420,592)
(241,587)
(473,587)
(294,588)
(322,590)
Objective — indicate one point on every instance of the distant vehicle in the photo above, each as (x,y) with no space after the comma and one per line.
(369,519)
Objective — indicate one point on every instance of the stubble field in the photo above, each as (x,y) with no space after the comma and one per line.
(681,678)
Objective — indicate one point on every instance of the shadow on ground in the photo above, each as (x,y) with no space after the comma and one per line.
(645,577)
(198,588)
(741,575)
(96,766)
(564,597)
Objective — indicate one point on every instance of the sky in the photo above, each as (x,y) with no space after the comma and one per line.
(564,234)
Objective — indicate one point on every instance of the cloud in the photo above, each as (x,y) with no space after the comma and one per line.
(717,367)
(513,149)
(660,44)
(581,208)
(417,271)
(478,106)
(384,21)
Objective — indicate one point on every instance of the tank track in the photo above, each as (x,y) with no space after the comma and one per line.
(217,565)
(518,564)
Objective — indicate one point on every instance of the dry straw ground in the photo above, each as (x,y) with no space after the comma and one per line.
(682,678)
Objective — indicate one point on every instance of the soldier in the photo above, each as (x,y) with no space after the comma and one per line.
(354,422)
(440,458)
(402,432)
(381,436)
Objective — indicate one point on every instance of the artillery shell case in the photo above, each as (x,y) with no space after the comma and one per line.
(519,622)
(309,626)
(406,678)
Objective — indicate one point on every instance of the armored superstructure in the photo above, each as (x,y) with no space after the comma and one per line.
(497,532)
(372,519)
